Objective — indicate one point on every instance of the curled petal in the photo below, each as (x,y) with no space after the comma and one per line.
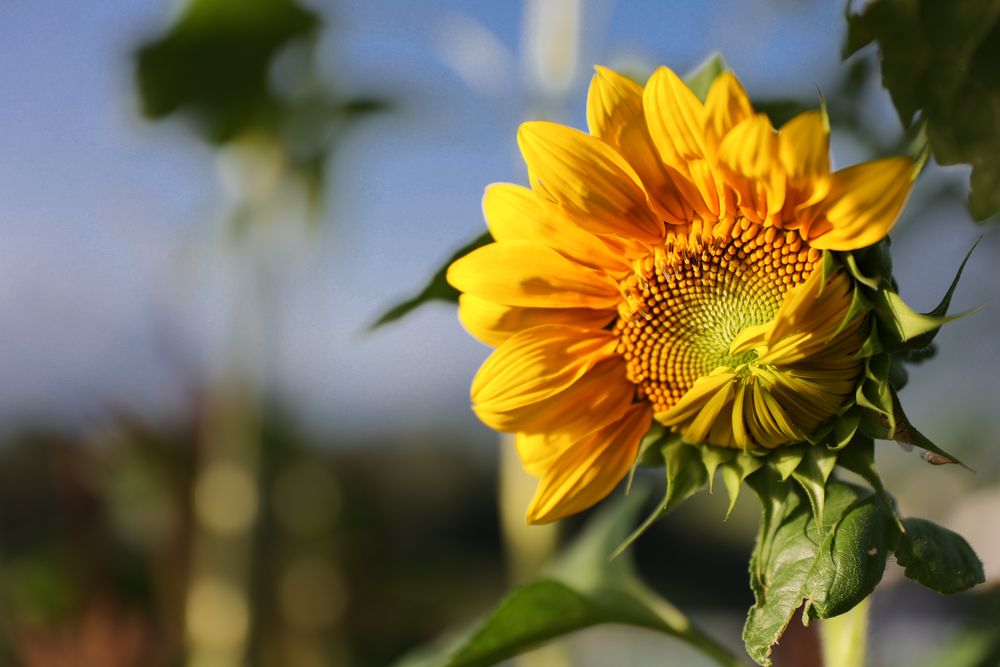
(535,405)
(577,473)
(588,180)
(514,213)
(863,204)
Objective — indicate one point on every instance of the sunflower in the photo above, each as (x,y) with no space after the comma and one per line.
(670,265)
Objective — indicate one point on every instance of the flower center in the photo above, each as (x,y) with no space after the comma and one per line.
(684,306)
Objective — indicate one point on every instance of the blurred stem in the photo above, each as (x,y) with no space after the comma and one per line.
(845,637)
(527,548)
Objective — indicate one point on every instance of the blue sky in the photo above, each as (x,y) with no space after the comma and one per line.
(111,281)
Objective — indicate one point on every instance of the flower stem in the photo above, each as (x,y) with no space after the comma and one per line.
(845,637)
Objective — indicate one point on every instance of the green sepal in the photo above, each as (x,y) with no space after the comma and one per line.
(700,79)
(650,451)
(713,457)
(686,475)
(871,266)
(734,473)
(938,558)
(872,282)
(786,459)
(905,327)
(844,429)
(874,397)
(872,344)
(923,341)
(859,306)
(821,434)
(812,473)
(830,265)
(859,458)
(906,433)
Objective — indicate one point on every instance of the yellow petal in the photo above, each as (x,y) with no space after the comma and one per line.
(588,180)
(804,147)
(697,397)
(864,203)
(535,364)
(725,106)
(615,115)
(676,121)
(675,117)
(613,103)
(587,470)
(601,395)
(514,213)
(493,323)
(532,275)
(748,156)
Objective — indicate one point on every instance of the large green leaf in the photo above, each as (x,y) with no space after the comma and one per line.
(826,567)
(938,558)
(437,289)
(582,589)
(942,59)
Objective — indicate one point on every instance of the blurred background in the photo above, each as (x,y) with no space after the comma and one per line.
(208,455)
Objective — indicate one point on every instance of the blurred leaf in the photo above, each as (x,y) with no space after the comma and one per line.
(438,287)
(580,590)
(943,60)
(827,566)
(215,60)
(938,558)
(700,80)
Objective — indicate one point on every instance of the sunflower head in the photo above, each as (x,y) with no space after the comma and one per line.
(686,276)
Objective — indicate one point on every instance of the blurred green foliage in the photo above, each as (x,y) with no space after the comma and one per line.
(218,64)
(942,60)
(214,62)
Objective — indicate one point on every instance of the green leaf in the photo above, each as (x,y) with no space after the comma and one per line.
(859,457)
(827,566)
(941,59)
(436,289)
(580,590)
(700,80)
(938,558)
